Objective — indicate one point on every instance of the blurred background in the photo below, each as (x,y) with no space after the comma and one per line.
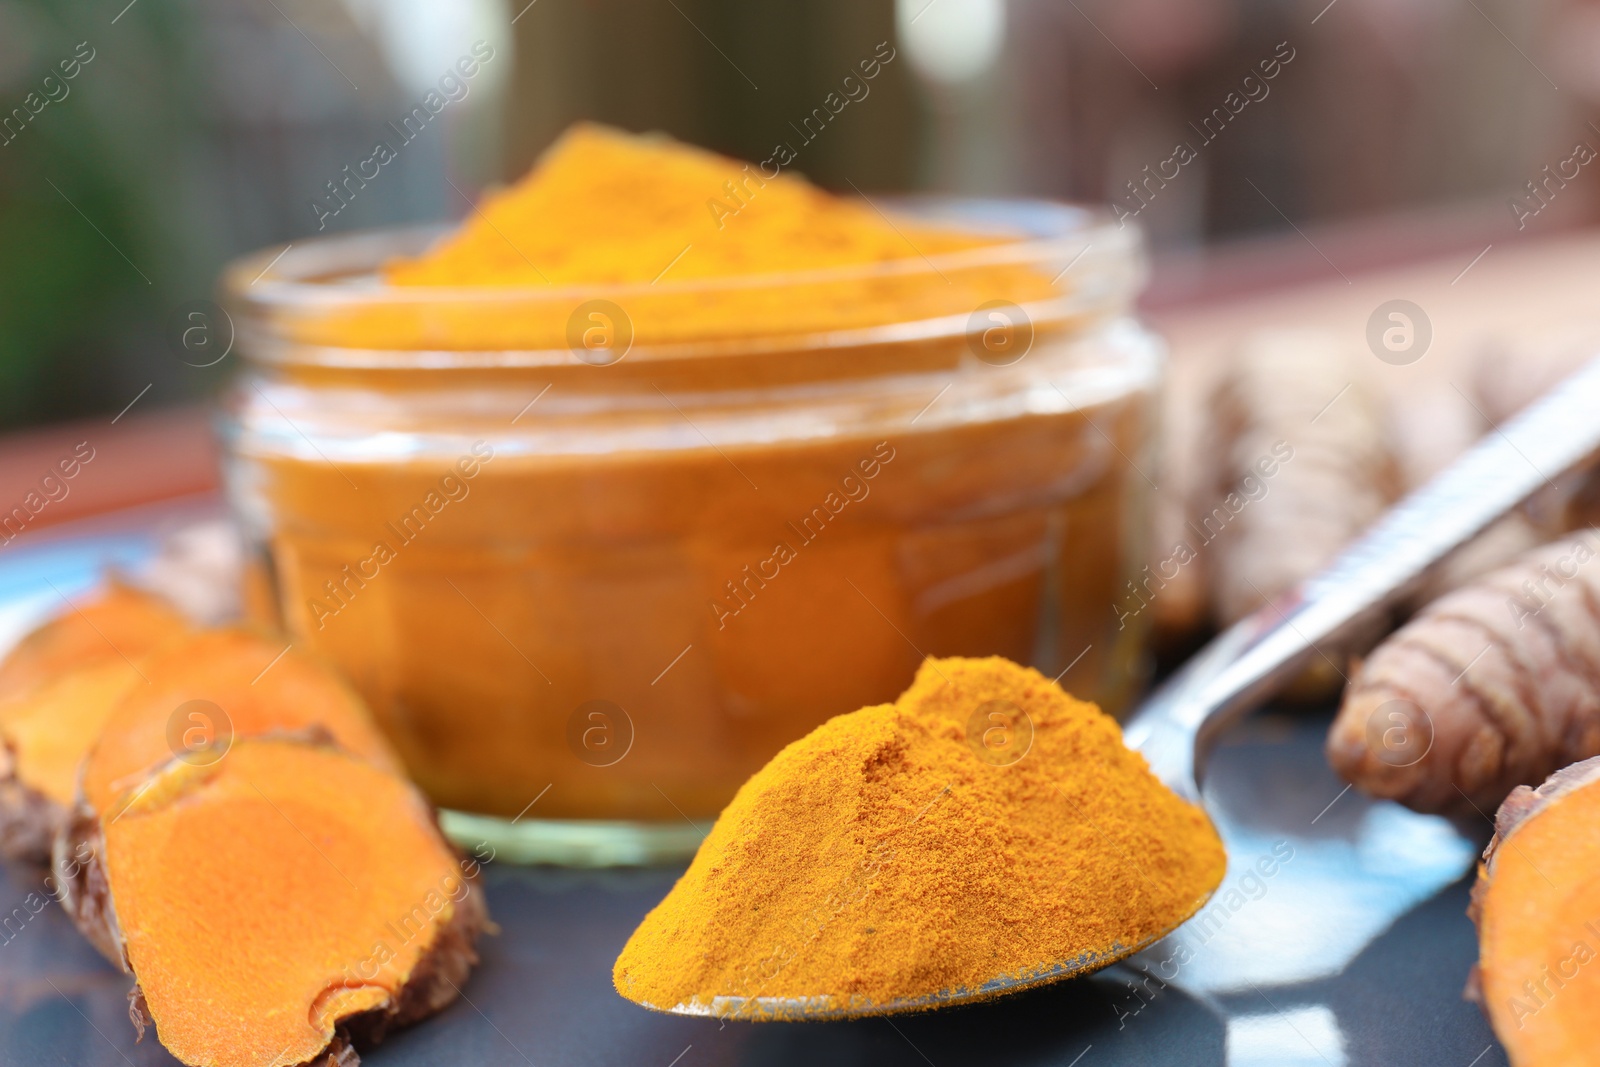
(144,144)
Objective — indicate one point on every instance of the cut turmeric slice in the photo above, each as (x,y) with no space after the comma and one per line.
(43,736)
(120,623)
(1537,906)
(216,686)
(286,903)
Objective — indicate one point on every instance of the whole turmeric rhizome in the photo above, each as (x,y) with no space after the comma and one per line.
(984,832)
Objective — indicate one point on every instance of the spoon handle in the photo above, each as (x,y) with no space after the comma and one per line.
(1175,727)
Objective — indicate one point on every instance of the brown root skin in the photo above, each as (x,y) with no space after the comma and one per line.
(1293,478)
(1507,685)
(138,1013)
(81,883)
(1524,803)
(438,976)
(29,820)
(340,1054)
(1498,546)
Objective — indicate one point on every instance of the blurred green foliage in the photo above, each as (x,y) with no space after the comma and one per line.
(97,238)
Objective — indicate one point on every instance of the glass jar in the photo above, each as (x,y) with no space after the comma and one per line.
(592,586)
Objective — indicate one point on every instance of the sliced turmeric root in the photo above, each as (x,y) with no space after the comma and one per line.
(43,736)
(211,688)
(56,689)
(1537,906)
(120,623)
(285,903)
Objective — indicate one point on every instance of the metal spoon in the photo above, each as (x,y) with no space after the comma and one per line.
(1178,724)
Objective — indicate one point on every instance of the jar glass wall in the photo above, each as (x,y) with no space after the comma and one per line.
(620,578)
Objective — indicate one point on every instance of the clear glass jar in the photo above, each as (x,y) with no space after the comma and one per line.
(601,582)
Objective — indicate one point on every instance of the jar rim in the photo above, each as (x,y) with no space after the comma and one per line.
(1039,228)
(281,288)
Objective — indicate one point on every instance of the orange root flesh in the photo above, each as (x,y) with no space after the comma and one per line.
(1538,910)
(235,684)
(57,687)
(272,899)
(119,624)
(50,728)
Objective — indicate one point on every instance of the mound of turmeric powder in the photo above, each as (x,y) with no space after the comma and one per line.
(603,209)
(603,206)
(892,856)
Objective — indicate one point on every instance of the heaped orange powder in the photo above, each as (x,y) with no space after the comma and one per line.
(603,206)
(689,247)
(984,829)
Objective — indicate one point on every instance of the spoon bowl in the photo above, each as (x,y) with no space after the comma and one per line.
(794,1009)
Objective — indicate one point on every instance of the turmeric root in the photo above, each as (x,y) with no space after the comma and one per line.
(1509,372)
(1493,686)
(1537,908)
(1508,375)
(215,686)
(120,623)
(286,903)
(43,736)
(56,690)
(1431,427)
(1302,466)
(200,567)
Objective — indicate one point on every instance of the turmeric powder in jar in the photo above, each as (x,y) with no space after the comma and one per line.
(660,460)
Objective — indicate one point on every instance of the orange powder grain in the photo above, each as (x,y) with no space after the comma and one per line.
(880,858)
(605,207)
(692,246)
